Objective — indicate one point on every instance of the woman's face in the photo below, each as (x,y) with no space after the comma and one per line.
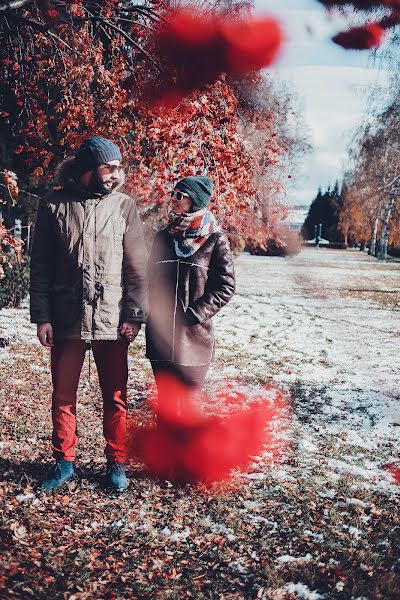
(181,202)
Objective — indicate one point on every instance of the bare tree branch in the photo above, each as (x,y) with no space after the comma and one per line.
(15,4)
(39,27)
(107,23)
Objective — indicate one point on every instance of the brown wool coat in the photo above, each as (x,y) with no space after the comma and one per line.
(88,265)
(185,293)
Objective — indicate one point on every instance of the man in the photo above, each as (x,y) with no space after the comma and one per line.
(88,286)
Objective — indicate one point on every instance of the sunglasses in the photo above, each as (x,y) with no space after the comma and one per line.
(111,168)
(175,194)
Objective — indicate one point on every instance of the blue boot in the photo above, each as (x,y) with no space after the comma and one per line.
(115,477)
(59,474)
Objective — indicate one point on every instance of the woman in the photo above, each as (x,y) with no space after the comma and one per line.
(191,277)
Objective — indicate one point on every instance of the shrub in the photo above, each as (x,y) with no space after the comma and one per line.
(284,242)
(236,242)
(14,285)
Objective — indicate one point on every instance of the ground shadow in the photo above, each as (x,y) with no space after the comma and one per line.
(32,473)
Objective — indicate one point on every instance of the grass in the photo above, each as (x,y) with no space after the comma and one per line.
(158,541)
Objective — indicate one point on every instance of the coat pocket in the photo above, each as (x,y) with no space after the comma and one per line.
(194,344)
(110,305)
(66,304)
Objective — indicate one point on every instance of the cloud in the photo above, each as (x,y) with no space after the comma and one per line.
(334,105)
(332,83)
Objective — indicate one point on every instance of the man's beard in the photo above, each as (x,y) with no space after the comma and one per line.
(97,186)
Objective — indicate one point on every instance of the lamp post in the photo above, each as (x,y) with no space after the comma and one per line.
(317,234)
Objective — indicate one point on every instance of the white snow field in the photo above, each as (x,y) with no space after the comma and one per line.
(324,325)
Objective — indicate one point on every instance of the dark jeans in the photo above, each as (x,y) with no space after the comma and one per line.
(183,399)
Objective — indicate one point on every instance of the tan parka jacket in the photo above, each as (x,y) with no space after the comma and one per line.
(88,264)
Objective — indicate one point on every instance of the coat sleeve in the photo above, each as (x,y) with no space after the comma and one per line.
(220,285)
(135,303)
(152,258)
(41,267)
(157,252)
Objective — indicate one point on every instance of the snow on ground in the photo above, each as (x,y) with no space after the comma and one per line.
(323,327)
(15,327)
(317,336)
(319,326)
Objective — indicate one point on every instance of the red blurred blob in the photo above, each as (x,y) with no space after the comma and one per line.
(251,44)
(222,445)
(394,471)
(186,446)
(369,35)
(197,50)
(360,38)
(176,403)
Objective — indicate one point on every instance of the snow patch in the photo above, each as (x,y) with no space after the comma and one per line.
(302,591)
(286,558)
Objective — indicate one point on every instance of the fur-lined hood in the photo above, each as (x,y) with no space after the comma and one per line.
(67,175)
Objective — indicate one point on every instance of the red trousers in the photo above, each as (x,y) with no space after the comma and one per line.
(112,366)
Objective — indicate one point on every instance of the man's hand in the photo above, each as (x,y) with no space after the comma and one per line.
(45,334)
(130,330)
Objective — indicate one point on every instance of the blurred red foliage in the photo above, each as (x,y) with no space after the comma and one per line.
(362,4)
(394,471)
(360,38)
(369,35)
(196,50)
(186,446)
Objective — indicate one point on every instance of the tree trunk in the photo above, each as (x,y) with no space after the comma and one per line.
(372,243)
(346,235)
(387,212)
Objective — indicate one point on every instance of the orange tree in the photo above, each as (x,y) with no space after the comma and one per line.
(69,70)
(72,69)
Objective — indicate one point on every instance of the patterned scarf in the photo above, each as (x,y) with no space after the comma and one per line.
(191,230)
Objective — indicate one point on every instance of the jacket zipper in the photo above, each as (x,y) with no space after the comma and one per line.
(176,305)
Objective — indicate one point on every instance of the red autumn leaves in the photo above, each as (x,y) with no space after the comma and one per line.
(394,471)
(363,4)
(196,50)
(360,38)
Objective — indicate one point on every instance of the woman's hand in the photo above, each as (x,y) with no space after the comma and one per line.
(130,330)
(45,334)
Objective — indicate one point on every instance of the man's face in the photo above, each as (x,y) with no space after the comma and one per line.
(105,178)
(110,174)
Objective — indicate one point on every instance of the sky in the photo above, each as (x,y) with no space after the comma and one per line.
(331,83)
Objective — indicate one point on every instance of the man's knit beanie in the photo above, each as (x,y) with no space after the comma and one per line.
(96,151)
(198,187)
